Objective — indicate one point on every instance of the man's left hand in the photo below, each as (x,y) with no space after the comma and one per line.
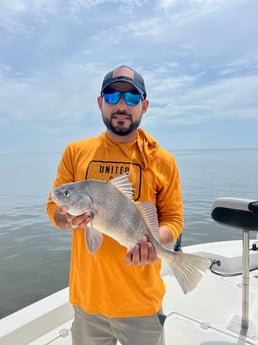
(142,253)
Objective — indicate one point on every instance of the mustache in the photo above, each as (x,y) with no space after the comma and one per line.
(124,112)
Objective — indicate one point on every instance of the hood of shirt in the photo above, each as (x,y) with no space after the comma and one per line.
(147,147)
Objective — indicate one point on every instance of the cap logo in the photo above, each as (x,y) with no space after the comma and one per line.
(123,72)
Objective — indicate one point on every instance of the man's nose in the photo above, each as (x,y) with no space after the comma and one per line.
(121,102)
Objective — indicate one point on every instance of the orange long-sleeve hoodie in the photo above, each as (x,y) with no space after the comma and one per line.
(102,283)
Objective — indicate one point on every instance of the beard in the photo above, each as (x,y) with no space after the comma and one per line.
(119,128)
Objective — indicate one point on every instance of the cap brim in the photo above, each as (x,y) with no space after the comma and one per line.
(123,80)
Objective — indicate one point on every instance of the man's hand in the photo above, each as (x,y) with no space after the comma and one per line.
(64,220)
(142,253)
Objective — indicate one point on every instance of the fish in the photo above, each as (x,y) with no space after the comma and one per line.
(114,213)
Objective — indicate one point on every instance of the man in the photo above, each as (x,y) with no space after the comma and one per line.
(117,293)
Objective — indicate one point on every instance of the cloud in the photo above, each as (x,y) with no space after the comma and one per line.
(43,96)
(198,58)
(188,101)
(20,17)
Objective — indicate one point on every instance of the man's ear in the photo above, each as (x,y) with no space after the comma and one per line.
(99,100)
(145,105)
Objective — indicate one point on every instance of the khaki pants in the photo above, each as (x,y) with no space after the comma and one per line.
(96,329)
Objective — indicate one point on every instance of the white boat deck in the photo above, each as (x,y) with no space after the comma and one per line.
(205,316)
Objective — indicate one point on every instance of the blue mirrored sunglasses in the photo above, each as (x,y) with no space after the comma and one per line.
(130,98)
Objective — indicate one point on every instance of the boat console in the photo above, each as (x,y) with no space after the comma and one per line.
(240,214)
(237,213)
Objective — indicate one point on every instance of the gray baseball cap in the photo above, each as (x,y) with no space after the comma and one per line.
(135,80)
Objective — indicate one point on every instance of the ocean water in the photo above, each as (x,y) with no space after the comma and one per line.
(34,256)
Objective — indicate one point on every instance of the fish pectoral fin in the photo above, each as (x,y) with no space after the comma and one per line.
(93,238)
(150,215)
(122,183)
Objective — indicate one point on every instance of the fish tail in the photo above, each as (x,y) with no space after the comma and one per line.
(188,269)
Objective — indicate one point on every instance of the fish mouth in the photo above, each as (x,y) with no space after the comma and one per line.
(54,197)
(52,194)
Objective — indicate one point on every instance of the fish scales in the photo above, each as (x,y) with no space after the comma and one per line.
(114,213)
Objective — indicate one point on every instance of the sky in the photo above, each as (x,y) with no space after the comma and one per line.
(199,59)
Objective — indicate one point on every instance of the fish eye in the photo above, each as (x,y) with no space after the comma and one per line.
(66,194)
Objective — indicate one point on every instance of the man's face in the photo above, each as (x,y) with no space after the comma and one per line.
(122,119)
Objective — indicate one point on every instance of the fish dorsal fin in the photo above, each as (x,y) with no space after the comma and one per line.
(122,183)
(150,215)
